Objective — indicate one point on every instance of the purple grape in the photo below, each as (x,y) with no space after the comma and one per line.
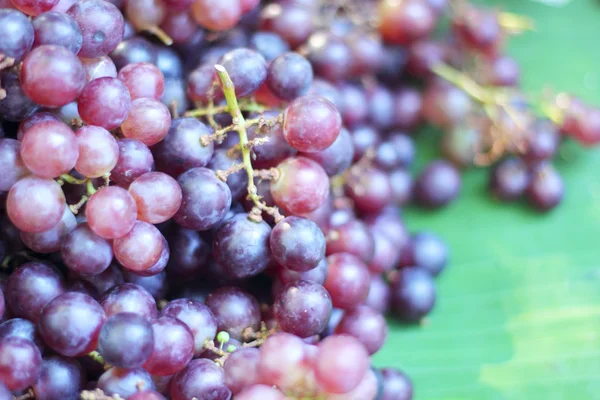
(104,102)
(340,374)
(156,285)
(234,309)
(246,68)
(130,298)
(198,318)
(289,76)
(351,237)
(173,346)
(297,243)
(189,252)
(102,26)
(50,241)
(316,275)
(126,340)
(364,137)
(241,369)
(16,106)
(348,280)
(135,159)
(134,50)
(86,253)
(546,189)
(386,256)
(20,363)
(330,56)
(438,184)
(269,44)
(369,188)
(543,141)
(125,382)
(57,28)
(379,295)
(103,282)
(16,34)
(237,182)
(60,378)
(365,324)
(292,22)
(201,379)
(21,328)
(13,167)
(426,250)
(396,385)
(413,294)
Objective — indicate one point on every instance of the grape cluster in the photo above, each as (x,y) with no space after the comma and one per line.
(199,198)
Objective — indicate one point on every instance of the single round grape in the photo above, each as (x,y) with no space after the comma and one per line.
(347,280)
(381,107)
(397,151)
(367,53)
(297,243)
(200,81)
(426,250)
(60,378)
(445,105)
(49,149)
(102,26)
(408,108)
(99,67)
(70,324)
(438,184)
(35,204)
(157,196)
(206,199)
(180,26)
(396,385)
(126,340)
(12,165)
(50,241)
(216,15)
(105,281)
(125,382)
(320,87)
(336,158)
(238,181)
(366,325)
(369,188)
(140,248)
(190,252)
(479,29)
(546,189)
(57,28)
(246,68)
(329,55)
(200,379)
(311,124)
(104,102)
(148,121)
(111,212)
(379,295)
(134,50)
(144,14)
(543,141)
(293,22)
(303,308)
(269,44)
(86,253)
(509,179)
(289,76)
(386,256)
(351,237)
(340,374)
(390,224)
(52,76)
(302,185)
(262,392)
(413,294)
(20,363)
(241,246)
(21,328)
(181,150)
(234,310)
(34,8)
(98,151)
(159,265)
(173,347)
(143,80)
(16,106)
(16,33)
(406,21)
(241,369)
(130,298)
(283,361)
(135,160)
(198,318)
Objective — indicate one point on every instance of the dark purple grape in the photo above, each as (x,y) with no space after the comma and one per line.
(364,138)
(200,82)
(16,106)
(408,108)
(22,328)
(289,76)
(206,199)
(189,252)
(542,142)
(181,150)
(173,346)
(234,309)
(379,295)
(246,68)
(20,363)
(237,182)
(297,243)
(269,44)
(134,50)
(294,23)
(126,340)
(330,56)
(275,150)
(413,294)
(217,15)
(57,28)
(111,277)
(369,188)
(546,189)
(198,318)
(86,253)
(381,107)
(30,288)
(426,250)
(16,34)
(241,246)
(303,308)
(102,26)
(125,382)
(169,63)
(63,328)
(438,184)
(367,52)
(396,385)
(104,102)
(509,179)
(317,274)
(405,22)
(365,324)
(241,369)
(156,285)
(348,280)
(135,159)
(337,157)
(320,87)
(60,378)
(131,298)
(351,237)
(201,379)
(393,65)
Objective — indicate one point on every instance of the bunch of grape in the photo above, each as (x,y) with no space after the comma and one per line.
(220,217)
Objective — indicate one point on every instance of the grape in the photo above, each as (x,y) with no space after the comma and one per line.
(63,5)
(20,363)
(292,22)
(60,378)
(406,21)
(322,88)
(397,151)
(238,181)
(269,44)
(330,56)
(52,76)
(386,255)
(364,138)
(509,179)
(241,246)
(36,118)
(336,158)
(34,8)
(134,50)
(289,76)
(102,26)
(347,280)
(479,29)
(159,265)
(381,107)
(125,382)
(12,165)
(200,81)
(145,14)
(86,253)
(173,347)
(135,159)
(303,308)
(423,56)
(234,310)
(104,102)
(246,68)
(5,394)
(169,63)
(126,340)
(351,237)
(341,374)
(274,151)
(503,71)
(190,252)
(316,275)
(241,369)
(297,243)
(217,15)
(57,28)
(50,241)
(147,395)
(99,67)
(396,385)
(311,124)
(445,105)
(366,389)
(438,184)
(365,324)
(139,249)
(201,379)
(283,361)
(390,224)
(206,199)
(16,33)
(426,250)
(543,141)
(262,392)
(143,80)
(99,151)
(106,280)
(369,188)
(157,197)
(413,294)
(49,149)
(198,318)
(70,324)
(111,212)
(408,108)
(130,298)
(302,185)
(67,113)
(379,295)
(16,106)
(546,189)
(367,53)
(179,26)
(21,328)
(148,121)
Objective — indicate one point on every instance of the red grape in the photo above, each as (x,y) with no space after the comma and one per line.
(143,80)
(347,280)
(111,212)
(104,102)
(140,248)
(311,124)
(130,298)
(341,374)
(98,151)
(20,363)
(102,26)
(148,121)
